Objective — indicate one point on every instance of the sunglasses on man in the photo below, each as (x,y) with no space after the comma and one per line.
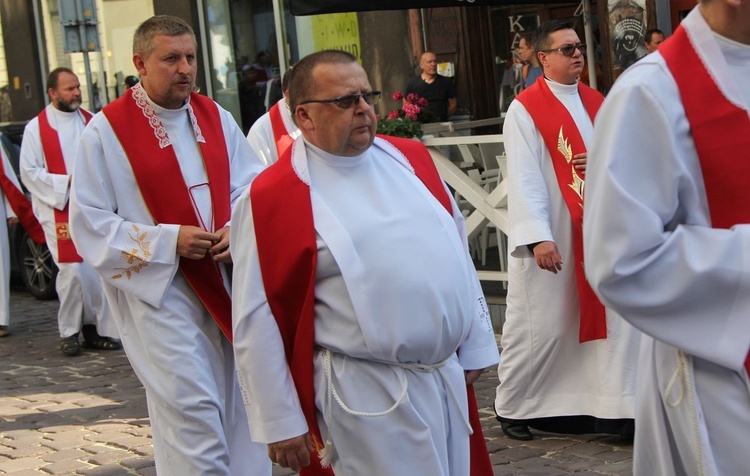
(345,102)
(568,50)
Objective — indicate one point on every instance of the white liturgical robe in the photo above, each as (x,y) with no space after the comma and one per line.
(261,136)
(544,370)
(652,255)
(394,283)
(6,212)
(81,297)
(174,345)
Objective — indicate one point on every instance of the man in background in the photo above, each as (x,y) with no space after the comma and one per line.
(439,91)
(47,159)
(567,364)
(275,130)
(14,205)
(653,39)
(531,69)
(130,81)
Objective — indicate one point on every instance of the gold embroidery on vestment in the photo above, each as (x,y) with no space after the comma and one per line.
(577,183)
(135,258)
(61,231)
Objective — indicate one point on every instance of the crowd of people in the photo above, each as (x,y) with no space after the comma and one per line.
(305,295)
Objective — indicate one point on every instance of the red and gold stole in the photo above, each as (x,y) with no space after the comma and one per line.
(563,140)
(20,204)
(159,178)
(280,134)
(53,156)
(282,210)
(721,132)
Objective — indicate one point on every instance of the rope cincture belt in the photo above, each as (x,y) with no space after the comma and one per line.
(331,394)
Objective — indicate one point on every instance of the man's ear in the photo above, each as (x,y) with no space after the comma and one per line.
(542,58)
(139,63)
(303,119)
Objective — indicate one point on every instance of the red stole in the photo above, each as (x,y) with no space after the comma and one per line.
(21,205)
(280,134)
(160,180)
(563,140)
(721,132)
(53,156)
(282,209)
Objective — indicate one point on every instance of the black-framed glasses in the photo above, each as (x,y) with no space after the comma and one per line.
(345,102)
(568,50)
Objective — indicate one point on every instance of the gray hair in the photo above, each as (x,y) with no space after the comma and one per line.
(143,39)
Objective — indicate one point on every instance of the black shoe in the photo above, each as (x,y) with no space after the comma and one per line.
(70,346)
(516,430)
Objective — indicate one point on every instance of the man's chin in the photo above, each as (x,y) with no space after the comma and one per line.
(69,107)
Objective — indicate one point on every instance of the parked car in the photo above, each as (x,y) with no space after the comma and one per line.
(30,262)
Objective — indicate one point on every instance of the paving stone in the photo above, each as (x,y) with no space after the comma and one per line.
(68,466)
(30,450)
(28,472)
(551,443)
(21,464)
(516,453)
(589,449)
(138,462)
(106,470)
(107,457)
(73,453)
(620,468)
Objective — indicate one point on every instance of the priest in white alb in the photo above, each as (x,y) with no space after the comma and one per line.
(48,152)
(568,364)
(667,238)
(275,130)
(358,315)
(15,209)
(156,176)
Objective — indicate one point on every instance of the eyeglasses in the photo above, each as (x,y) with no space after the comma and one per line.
(568,50)
(345,102)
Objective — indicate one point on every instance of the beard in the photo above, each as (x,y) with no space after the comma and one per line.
(69,106)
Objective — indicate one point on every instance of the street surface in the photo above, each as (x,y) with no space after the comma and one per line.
(87,414)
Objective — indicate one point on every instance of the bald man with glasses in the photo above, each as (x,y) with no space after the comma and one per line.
(358,316)
(567,362)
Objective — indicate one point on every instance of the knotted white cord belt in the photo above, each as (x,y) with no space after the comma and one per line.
(684,378)
(331,394)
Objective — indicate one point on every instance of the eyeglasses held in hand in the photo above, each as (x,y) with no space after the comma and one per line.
(568,50)
(203,191)
(345,102)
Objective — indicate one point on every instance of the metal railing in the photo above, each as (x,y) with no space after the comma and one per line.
(486,191)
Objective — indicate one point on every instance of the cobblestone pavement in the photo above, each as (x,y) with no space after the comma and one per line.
(87,414)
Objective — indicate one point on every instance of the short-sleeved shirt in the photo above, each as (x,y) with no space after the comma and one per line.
(532,75)
(437,93)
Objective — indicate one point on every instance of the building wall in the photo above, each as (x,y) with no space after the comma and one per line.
(20,39)
(386,53)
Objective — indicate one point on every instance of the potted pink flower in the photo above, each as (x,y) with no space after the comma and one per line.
(406,121)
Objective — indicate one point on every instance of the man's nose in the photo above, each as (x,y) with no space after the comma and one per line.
(361,106)
(183,66)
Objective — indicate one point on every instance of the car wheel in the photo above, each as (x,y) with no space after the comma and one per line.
(38,270)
